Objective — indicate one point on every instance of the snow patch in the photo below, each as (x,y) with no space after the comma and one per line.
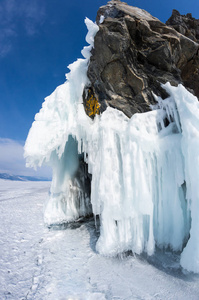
(101,19)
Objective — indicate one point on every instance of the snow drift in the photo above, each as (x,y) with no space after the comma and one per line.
(144,170)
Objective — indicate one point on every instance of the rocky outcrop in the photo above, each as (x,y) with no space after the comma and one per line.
(185,24)
(133,54)
(188,26)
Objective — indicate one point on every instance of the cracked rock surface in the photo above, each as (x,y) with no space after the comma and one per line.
(133,54)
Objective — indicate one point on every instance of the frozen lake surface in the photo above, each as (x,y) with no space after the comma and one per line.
(53,264)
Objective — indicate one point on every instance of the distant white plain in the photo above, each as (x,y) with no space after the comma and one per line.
(13,162)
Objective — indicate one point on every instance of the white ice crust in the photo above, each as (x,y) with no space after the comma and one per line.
(145,174)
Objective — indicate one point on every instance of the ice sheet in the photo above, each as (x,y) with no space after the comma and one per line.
(38,263)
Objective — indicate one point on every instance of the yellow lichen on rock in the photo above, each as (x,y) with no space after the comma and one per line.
(92,106)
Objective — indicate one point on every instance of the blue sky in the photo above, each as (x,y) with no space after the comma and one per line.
(38,40)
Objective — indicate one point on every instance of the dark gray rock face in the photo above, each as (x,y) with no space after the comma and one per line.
(133,54)
(185,24)
(188,26)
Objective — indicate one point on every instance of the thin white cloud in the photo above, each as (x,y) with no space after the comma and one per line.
(13,162)
(34,16)
(17,14)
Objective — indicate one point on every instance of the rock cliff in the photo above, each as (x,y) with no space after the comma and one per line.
(134,53)
(188,26)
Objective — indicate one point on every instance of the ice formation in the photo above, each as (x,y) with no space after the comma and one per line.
(144,170)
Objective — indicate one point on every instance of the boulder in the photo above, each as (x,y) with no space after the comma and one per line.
(133,54)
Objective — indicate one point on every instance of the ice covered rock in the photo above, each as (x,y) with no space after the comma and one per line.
(138,174)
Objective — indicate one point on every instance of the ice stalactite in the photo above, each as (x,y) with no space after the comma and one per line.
(138,183)
(188,108)
(69,193)
(145,170)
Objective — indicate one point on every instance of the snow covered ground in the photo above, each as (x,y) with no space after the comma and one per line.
(53,264)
